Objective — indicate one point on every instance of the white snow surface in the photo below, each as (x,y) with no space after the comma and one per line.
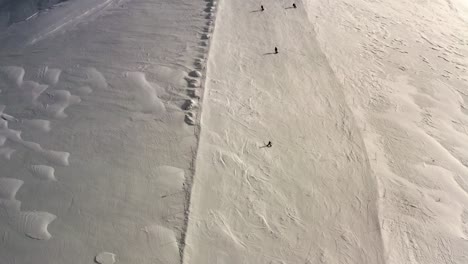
(365,105)
(403,66)
(310,198)
(95,151)
(134,131)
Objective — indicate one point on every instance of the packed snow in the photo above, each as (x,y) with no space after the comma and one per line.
(311,196)
(160,131)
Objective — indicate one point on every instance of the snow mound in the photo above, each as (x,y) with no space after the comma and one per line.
(145,93)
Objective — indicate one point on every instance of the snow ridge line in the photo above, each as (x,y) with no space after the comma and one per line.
(210,15)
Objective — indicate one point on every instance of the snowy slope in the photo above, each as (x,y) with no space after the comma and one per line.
(96,141)
(403,66)
(311,198)
(392,107)
(100,131)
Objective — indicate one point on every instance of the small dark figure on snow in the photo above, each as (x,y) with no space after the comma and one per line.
(294,5)
(276,50)
(268,145)
(261,8)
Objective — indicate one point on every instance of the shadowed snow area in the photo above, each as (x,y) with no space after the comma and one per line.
(13,11)
(48,17)
(96,139)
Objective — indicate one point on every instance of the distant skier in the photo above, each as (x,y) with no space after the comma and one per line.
(294,5)
(276,50)
(261,8)
(268,145)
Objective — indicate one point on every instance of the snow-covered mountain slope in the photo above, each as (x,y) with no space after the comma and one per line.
(97,136)
(403,66)
(392,107)
(311,197)
(101,133)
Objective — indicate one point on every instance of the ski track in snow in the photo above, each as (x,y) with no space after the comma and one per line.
(404,79)
(70,20)
(311,197)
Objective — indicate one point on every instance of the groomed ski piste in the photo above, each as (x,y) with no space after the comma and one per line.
(136,131)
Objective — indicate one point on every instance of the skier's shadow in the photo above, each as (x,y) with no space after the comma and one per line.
(269,53)
(289,7)
(256,11)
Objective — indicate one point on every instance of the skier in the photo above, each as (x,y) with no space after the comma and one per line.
(294,5)
(276,50)
(268,145)
(261,7)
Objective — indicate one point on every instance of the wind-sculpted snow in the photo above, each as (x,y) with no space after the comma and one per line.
(43,172)
(347,146)
(21,95)
(405,78)
(146,94)
(105,258)
(32,224)
(99,106)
